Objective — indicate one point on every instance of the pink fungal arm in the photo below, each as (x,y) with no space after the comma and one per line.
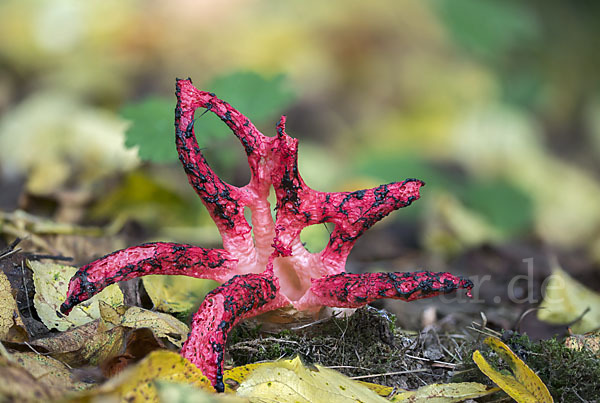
(137,261)
(240,298)
(263,264)
(347,290)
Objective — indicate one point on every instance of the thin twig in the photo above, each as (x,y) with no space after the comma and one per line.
(428,360)
(316,322)
(10,252)
(347,366)
(25,288)
(410,371)
(486,331)
(33,349)
(35,256)
(449,352)
(11,248)
(280,340)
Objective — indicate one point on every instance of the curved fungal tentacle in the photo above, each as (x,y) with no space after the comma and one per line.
(240,298)
(349,290)
(142,260)
(224,202)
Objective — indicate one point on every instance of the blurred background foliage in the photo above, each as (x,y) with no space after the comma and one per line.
(494,104)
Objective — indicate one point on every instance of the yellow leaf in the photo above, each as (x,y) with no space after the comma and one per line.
(523,384)
(51,282)
(176,293)
(161,324)
(565,300)
(291,381)
(11,324)
(445,393)
(182,393)
(383,391)
(237,375)
(137,384)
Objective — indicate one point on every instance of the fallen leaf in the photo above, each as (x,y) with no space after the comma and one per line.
(182,393)
(381,390)
(523,384)
(291,381)
(496,140)
(445,393)
(51,282)
(89,344)
(235,376)
(16,384)
(565,300)
(11,324)
(137,383)
(451,226)
(161,324)
(140,343)
(111,314)
(176,293)
(49,372)
(63,143)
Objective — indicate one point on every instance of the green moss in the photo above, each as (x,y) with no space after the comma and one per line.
(365,343)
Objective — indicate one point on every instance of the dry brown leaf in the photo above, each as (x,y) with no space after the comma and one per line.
(11,325)
(111,314)
(89,344)
(16,384)
(140,343)
(49,372)
(162,324)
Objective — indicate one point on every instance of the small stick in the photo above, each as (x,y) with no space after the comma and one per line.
(410,371)
(449,364)
(36,256)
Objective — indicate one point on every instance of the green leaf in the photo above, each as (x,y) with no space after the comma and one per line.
(487,28)
(260,99)
(505,206)
(257,97)
(151,128)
